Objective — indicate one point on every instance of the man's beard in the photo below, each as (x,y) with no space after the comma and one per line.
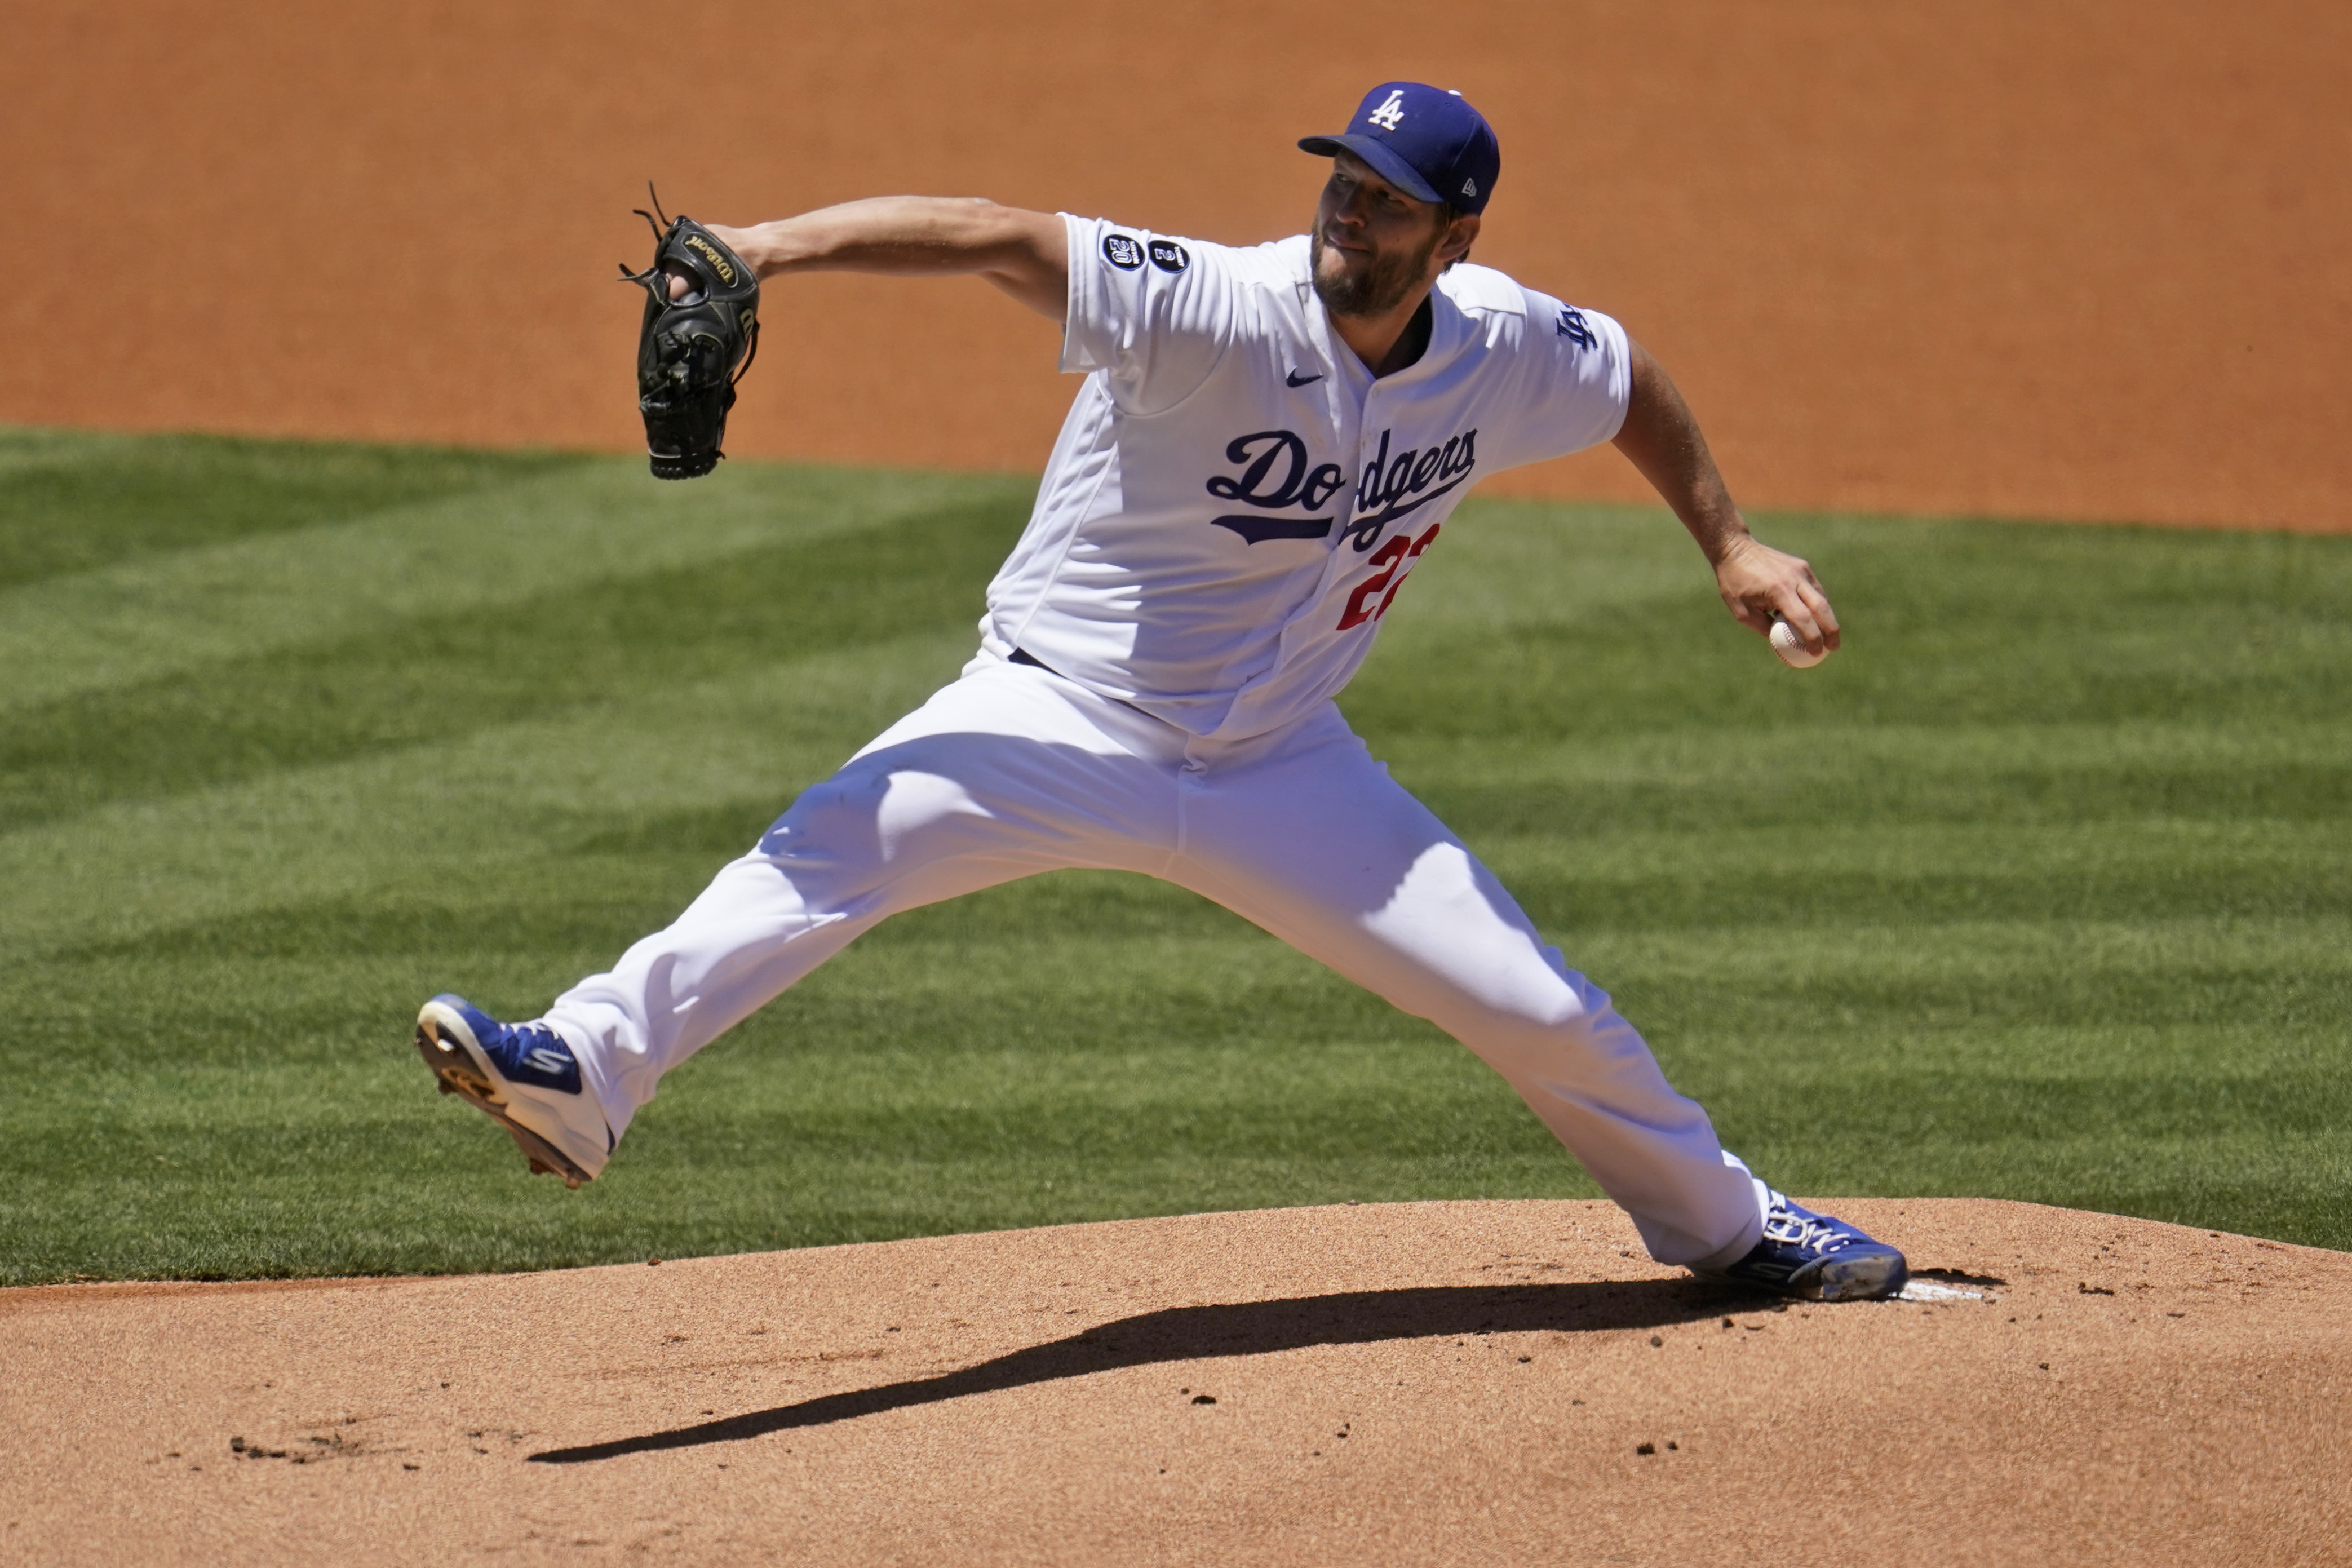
(1377,288)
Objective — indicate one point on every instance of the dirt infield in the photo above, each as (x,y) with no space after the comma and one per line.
(1421,1382)
(2034,258)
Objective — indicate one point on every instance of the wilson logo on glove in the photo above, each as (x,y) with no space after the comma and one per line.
(691,350)
(718,257)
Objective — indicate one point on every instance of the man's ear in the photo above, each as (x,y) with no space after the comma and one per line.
(1459,235)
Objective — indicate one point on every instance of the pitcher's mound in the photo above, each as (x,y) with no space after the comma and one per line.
(1474,1382)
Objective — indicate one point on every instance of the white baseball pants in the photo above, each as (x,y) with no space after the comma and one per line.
(1012,770)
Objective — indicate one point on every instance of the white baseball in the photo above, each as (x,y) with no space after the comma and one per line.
(1791,648)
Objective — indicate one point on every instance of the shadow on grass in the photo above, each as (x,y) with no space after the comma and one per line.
(1247,1327)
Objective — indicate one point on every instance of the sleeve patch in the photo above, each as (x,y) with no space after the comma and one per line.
(1166,255)
(1122,251)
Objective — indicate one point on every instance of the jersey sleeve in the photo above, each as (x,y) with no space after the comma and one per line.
(1153,312)
(1575,381)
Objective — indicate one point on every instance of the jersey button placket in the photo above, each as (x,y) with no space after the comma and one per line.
(1340,559)
(1347,436)
(1375,419)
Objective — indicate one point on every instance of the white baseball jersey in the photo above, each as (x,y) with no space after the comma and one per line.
(1234,501)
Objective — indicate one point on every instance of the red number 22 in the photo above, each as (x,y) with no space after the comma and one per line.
(1391,558)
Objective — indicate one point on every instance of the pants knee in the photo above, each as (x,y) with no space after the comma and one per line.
(842,809)
(878,839)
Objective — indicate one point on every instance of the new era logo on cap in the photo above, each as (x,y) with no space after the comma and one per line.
(1427,141)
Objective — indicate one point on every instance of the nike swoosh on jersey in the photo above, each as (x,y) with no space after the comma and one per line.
(1294,379)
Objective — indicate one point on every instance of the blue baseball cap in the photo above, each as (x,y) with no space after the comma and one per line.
(1426,142)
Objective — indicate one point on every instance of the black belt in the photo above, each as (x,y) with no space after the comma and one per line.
(1022,656)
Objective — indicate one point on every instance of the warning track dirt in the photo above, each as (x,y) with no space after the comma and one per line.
(2021,260)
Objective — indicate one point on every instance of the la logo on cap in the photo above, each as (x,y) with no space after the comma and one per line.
(1427,141)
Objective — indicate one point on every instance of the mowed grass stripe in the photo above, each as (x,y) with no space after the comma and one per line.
(156,613)
(71,502)
(1892,774)
(2033,1001)
(1751,876)
(2038,891)
(494,806)
(439,677)
(1951,626)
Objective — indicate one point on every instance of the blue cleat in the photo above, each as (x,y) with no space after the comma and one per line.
(524,1077)
(1818,1257)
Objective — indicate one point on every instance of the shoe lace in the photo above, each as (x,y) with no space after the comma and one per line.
(1792,1227)
(518,1039)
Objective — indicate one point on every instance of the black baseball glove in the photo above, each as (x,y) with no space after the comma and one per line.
(693,350)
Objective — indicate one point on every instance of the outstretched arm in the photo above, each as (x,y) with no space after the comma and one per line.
(1660,439)
(1023,252)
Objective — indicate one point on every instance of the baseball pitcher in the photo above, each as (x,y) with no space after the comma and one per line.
(1267,443)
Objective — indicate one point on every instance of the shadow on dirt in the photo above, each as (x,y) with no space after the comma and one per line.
(1248,1328)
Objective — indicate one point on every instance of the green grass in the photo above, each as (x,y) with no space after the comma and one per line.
(2041,889)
